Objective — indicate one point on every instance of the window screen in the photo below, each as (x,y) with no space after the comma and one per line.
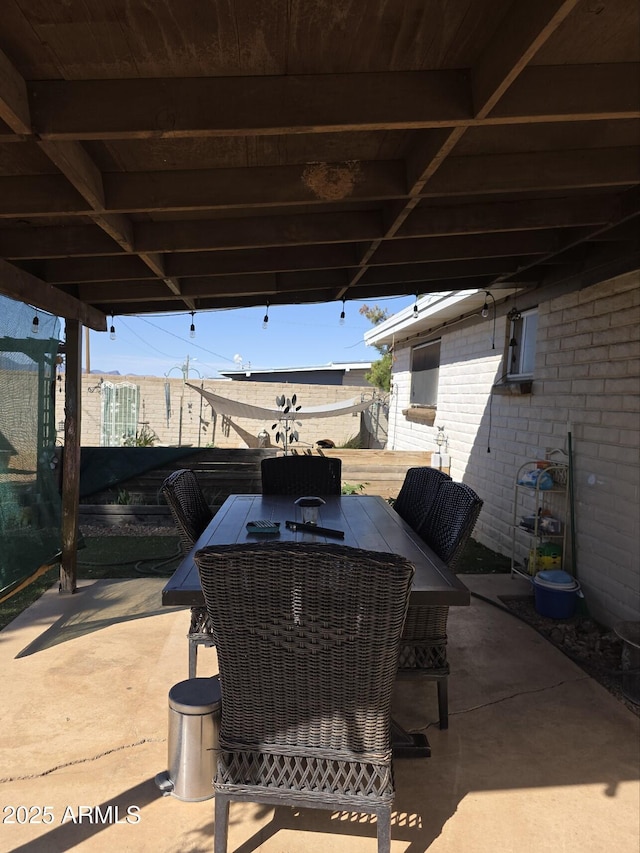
(425,370)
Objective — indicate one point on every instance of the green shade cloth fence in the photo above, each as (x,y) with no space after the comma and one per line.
(30,510)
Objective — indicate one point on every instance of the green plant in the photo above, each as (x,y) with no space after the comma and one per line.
(350,489)
(353,443)
(124,498)
(380,373)
(144,437)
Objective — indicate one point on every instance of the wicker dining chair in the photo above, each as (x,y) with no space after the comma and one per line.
(299,475)
(424,640)
(417,494)
(307,638)
(191,514)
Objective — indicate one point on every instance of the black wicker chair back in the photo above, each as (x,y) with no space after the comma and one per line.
(188,506)
(308,638)
(415,498)
(191,515)
(301,475)
(451,521)
(446,530)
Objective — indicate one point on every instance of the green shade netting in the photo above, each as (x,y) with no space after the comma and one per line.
(30,509)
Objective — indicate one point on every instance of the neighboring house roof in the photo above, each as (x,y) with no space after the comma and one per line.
(265,374)
(433,310)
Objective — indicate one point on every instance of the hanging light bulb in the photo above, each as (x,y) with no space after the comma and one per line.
(112,330)
(35,324)
(485,307)
(342,314)
(192,327)
(265,319)
(415,308)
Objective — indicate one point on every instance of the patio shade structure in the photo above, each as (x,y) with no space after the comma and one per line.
(238,409)
(202,156)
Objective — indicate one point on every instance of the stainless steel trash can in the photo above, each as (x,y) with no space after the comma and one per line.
(194,724)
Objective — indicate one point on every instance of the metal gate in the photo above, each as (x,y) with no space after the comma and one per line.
(120,403)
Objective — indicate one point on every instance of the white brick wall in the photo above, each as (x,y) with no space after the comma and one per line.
(587,379)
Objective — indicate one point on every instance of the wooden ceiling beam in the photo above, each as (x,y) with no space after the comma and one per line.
(156,263)
(40,195)
(535,171)
(257,231)
(626,209)
(14,98)
(481,218)
(24,287)
(262,260)
(603,92)
(264,286)
(77,270)
(426,220)
(187,266)
(79,169)
(435,270)
(118,227)
(192,235)
(261,187)
(211,189)
(497,68)
(56,242)
(239,106)
(458,248)
(521,33)
(120,292)
(324,103)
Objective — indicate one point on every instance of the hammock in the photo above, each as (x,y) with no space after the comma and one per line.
(234,408)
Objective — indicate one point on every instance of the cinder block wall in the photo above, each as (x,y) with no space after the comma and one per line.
(587,381)
(200,426)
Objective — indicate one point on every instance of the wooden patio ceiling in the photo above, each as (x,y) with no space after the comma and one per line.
(158,155)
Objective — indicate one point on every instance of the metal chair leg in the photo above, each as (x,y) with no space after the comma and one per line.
(193,657)
(443,702)
(221,824)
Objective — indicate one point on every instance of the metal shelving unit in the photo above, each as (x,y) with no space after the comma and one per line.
(532,508)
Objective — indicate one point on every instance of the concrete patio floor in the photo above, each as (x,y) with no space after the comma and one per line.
(538,756)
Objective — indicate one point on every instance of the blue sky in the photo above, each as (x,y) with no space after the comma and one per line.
(296,336)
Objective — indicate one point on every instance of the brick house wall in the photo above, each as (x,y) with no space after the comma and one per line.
(586,380)
(215,430)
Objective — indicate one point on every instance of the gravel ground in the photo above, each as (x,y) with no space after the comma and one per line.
(97,530)
(591,646)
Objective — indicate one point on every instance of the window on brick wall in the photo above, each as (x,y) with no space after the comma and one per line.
(425,370)
(521,349)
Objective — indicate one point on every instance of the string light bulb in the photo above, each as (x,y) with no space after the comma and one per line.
(265,319)
(342,314)
(112,330)
(485,314)
(35,323)
(415,308)
(192,327)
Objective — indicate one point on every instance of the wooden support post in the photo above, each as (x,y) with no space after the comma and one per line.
(71,457)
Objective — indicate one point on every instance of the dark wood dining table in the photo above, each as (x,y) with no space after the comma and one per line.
(367,521)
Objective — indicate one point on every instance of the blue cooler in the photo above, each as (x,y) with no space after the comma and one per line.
(555,594)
